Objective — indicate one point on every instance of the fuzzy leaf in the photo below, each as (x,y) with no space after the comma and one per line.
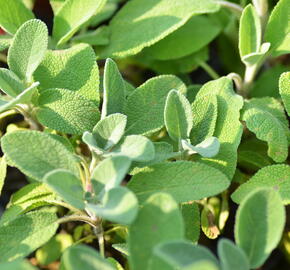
(231,256)
(33,230)
(279,20)
(260,221)
(228,128)
(265,117)
(250,34)
(84,257)
(145,106)
(67,111)
(188,39)
(114,90)
(159,220)
(207,148)
(135,147)
(284,89)
(191,218)
(36,153)
(177,116)
(72,15)
(183,180)
(119,205)
(10,84)
(204,112)
(13,14)
(137,17)
(275,176)
(179,254)
(109,173)
(109,130)
(74,69)
(66,185)
(28,49)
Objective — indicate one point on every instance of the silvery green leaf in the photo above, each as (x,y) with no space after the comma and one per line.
(10,84)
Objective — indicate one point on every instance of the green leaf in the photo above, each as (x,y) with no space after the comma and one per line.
(136,19)
(207,148)
(10,84)
(28,49)
(23,98)
(275,176)
(109,130)
(190,38)
(265,117)
(179,254)
(122,248)
(278,28)
(114,90)
(67,186)
(204,110)
(33,230)
(109,173)
(67,111)
(145,106)
(84,257)
(284,89)
(159,220)
(177,116)
(98,37)
(3,171)
(17,264)
(13,14)
(228,128)
(250,34)
(118,204)
(259,225)
(5,42)
(71,16)
(135,147)
(191,218)
(183,180)
(231,256)
(74,69)
(53,249)
(35,153)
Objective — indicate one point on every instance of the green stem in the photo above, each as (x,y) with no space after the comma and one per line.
(232,6)
(211,72)
(250,74)
(7,113)
(99,232)
(82,218)
(238,81)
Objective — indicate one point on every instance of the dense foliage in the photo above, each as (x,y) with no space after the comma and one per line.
(130,161)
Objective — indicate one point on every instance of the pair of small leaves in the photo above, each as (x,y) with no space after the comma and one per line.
(178,120)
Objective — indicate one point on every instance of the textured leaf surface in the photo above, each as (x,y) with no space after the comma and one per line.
(159,220)
(232,256)
(109,173)
(67,111)
(259,225)
(279,19)
(10,83)
(137,17)
(13,14)
(275,176)
(188,39)
(179,255)
(114,90)
(183,180)
(72,15)
(284,89)
(250,33)
(191,219)
(135,147)
(36,153)
(177,116)
(74,69)
(119,205)
(66,185)
(33,230)
(145,106)
(265,117)
(84,257)
(28,49)
(228,128)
